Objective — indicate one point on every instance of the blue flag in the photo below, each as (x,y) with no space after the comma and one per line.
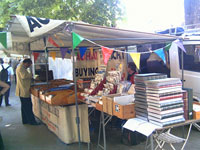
(82,51)
(161,54)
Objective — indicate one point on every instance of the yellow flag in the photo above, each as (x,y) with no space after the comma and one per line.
(91,50)
(136,59)
(53,55)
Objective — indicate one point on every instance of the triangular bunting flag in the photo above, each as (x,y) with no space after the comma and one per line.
(91,50)
(77,39)
(3,39)
(50,40)
(106,54)
(167,47)
(161,54)
(63,52)
(82,51)
(69,52)
(136,59)
(180,44)
(35,55)
(53,55)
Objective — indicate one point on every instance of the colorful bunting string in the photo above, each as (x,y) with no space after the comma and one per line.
(107,52)
(3,39)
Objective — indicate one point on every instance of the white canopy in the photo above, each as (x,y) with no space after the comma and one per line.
(33,30)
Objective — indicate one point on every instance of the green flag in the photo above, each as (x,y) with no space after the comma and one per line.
(77,39)
(3,39)
(168,46)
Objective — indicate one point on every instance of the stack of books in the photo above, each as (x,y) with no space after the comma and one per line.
(165,101)
(141,95)
(185,101)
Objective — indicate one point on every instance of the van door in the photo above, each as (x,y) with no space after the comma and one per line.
(191,65)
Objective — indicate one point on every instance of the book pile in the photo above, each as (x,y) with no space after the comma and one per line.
(185,101)
(141,95)
(165,101)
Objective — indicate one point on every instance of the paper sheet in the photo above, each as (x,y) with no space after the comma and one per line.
(141,126)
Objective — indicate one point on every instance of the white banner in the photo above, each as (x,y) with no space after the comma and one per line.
(37,26)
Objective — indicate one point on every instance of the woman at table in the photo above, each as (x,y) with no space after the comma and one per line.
(132,71)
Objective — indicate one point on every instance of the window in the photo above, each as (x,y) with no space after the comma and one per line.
(191,59)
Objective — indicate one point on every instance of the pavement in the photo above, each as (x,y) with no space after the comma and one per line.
(17,136)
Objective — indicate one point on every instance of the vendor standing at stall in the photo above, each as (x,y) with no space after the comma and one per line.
(24,78)
(132,71)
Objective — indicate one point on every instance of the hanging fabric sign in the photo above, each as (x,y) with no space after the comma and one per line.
(161,54)
(53,55)
(106,54)
(63,52)
(77,39)
(136,59)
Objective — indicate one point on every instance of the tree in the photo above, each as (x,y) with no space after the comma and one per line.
(99,12)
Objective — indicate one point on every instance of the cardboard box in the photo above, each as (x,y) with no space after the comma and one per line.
(108,103)
(124,111)
(99,107)
(83,83)
(196,114)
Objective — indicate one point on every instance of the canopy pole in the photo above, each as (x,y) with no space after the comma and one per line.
(182,65)
(76,98)
(46,59)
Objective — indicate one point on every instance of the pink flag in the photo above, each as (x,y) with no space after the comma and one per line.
(106,54)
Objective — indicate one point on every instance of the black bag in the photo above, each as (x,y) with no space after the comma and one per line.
(131,138)
(4,74)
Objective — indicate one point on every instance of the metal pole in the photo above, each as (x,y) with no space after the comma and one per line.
(182,68)
(76,98)
(46,59)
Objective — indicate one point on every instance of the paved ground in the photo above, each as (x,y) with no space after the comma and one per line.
(17,136)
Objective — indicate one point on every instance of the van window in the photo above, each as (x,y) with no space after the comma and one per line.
(191,59)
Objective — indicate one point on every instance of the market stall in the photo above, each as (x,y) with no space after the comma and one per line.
(98,53)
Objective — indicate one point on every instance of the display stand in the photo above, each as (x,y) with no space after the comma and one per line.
(104,119)
(61,120)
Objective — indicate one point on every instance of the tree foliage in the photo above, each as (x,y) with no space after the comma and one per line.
(99,12)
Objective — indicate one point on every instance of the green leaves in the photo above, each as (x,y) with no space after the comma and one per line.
(99,12)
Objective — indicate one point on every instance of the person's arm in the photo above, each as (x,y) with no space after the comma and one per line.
(5,87)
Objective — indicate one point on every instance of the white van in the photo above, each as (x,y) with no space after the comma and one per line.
(191,62)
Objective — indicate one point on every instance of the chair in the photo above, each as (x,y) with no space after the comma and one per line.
(166,137)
